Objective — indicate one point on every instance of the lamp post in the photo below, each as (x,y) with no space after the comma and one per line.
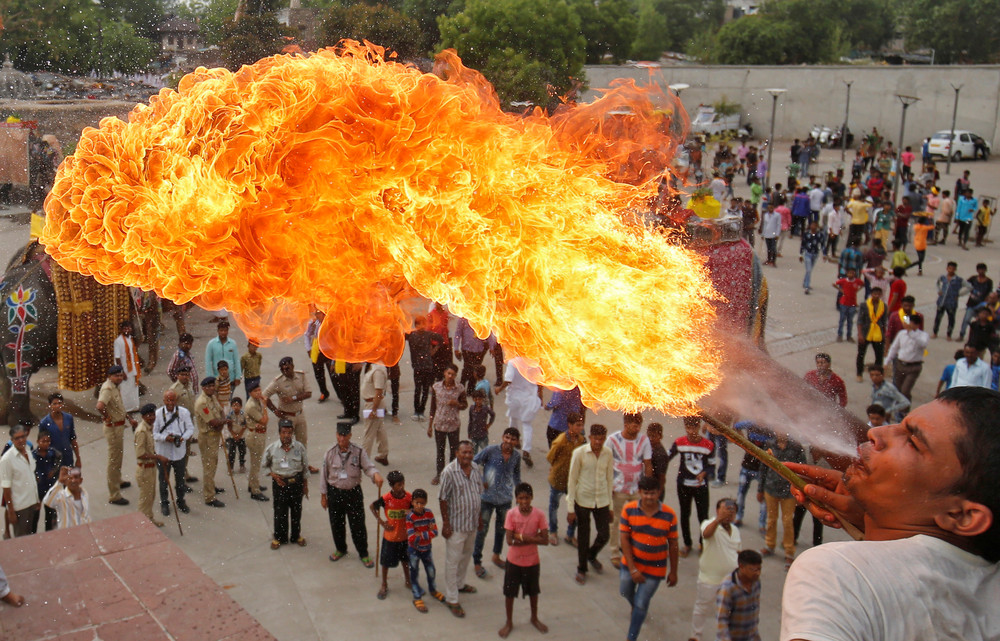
(770,141)
(843,130)
(951,138)
(678,87)
(906,101)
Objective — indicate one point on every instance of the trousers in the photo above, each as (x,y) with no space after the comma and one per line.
(347,505)
(287,510)
(586,551)
(458,554)
(787,507)
(618,501)
(208,443)
(685,495)
(486,511)
(115,436)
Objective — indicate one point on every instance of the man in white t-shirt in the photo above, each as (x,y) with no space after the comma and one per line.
(721,541)
(926,493)
(633,456)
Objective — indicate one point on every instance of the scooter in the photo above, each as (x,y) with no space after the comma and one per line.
(836,136)
(824,136)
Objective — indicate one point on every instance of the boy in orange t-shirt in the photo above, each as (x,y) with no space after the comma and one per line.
(921,228)
(396,503)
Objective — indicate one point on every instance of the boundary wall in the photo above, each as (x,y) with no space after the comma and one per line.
(817,95)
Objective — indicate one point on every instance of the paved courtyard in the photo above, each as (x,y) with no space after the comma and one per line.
(298,595)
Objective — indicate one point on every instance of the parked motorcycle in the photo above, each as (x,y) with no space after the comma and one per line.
(824,136)
(834,142)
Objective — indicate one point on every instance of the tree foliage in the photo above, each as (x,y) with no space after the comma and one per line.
(71,36)
(671,25)
(609,27)
(426,13)
(523,47)
(251,38)
(958,30)
(144,15)
(378,24)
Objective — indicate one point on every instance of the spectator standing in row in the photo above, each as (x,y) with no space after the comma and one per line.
(221,348)
(182,358)
(286,462)
(971,371)
(501,474)
(872,321)
(980,286)
(112,411)
(374,382)
(826,382)
(424,344)
(173,428)
(210,419)
(738,600)
(47,464)
(525,531)
(470,350)
(62,428)
(633,459)
(949,287)
(127,357)
(560,456)
(146,460)
(589,493)
(256,417)
(341,494)
(812,243)
(20,488)
(447,400)
(459,498)
(718,560)
(481,417)
(776,492)
(906,353)
(847,302)
(562,404)
(250,363)
(692,476)
(421,529)
(69,499)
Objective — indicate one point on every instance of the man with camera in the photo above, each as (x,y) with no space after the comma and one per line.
(172,428)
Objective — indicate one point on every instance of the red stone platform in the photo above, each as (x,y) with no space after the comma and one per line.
(119,578)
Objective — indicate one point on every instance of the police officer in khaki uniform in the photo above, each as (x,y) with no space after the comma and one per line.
(210,418)
(185,398)
(292,388)
(145,462)
(112,410)
(256,437)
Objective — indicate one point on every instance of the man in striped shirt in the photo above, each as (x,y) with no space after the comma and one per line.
(739,600)
(68,498)
(461,518)
(648,536)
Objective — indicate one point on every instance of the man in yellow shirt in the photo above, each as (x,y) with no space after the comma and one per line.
(588,492)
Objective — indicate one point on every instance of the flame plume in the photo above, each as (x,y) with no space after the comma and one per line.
(353,183)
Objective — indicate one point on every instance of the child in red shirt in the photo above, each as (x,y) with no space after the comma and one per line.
(847,303)
(397,503)
(527,527)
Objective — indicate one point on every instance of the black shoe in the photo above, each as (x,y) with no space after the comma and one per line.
(183,507)
(215,503)
(259,497)
(355,420)
(119,501)
(323,397)
(165,509)
(220,490)
(342,416)
(124,484)
(187,490)
(190,479)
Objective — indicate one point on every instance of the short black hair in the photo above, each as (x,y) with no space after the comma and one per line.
(596,429)
(908,299)
(898,272)
(236,399)
(55,396)
(632,417)
(723,501)
(875,367)
(524,488)
(513,431)
(648,484)
(42,433)
(655,428)
(394,477)
(877,289)
(981,266)
(824,356)
(749,557)
(978,451)
(223,323)
(573,418)
(419,493)
(478,393)
(875,408)
(185,338)
(692,421)
(452,366)
(222,364)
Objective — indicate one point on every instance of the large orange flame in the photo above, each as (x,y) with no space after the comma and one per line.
(352,183)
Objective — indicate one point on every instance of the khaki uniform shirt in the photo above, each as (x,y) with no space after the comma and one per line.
(256,413)
(207,408)
(296,386)
(285,464)
(144,445)
(373,380)
(111,396)
(185,396)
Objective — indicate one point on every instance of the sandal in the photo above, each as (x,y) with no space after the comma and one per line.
(581,578)
(434,481)
(500,564)
(274,544)
(301,542)
(384,592)
(419,605)
(367,562)
(336,556)
(571,540)
(439,596)
(456,609)
(468,589)
(481,572)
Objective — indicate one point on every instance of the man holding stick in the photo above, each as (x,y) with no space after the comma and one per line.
(341,495)
(926,492)
(286,462)
(211,418)
(146,460)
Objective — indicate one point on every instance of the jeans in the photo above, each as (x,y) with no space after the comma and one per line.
(747,477)
(831,245)
(964,226)
(555,498)
(718,470)
(439,441)
(584,550)
(479,444)
(941,311)
(772,249)
(232,446)
(685,495)
(486,511)
(423,379)
(970,313)
(847,313)
(810,260)
(638,596)
(416,557)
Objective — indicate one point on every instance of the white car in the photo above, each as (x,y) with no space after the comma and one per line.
(965,145)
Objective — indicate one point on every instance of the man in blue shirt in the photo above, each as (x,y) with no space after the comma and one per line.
(965,212)
(471,350)
(63,431)
(223,349)
(501,474)
(563,403)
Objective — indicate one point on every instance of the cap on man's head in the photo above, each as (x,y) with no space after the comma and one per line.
(287,360)
(148,408)
(208,380)
(285,422)
(115,369)
(344,428)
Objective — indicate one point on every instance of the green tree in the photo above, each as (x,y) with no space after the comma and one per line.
(958,30)
(752,40)
(523,47)
(672,25)
(213,17)
(426,13)
(144,15)
(378,24)
(609,26)
(251,38)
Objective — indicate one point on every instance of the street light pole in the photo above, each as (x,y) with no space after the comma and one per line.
(906,101)
(951,138)
(770,141)
(843,130)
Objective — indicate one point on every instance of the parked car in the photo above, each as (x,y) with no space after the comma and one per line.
(709,123)
(966,144)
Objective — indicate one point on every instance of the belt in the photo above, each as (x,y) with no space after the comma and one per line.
(262,430)
(369,400)
(147,464)
(292,479)
(292,413)
(118,424)
(912,363)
